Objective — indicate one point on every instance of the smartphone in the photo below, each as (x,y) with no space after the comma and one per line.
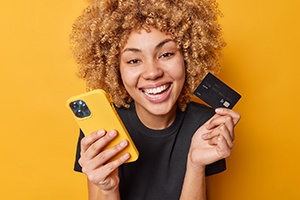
(94,111)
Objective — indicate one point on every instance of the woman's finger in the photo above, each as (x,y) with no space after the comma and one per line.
(96,147)
(221,130)
(107,154)
(88,140)
(222,147)
(101,176)
(218,122)
(234,115)
(97,162)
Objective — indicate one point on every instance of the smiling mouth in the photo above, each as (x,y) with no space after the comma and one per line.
(156,91)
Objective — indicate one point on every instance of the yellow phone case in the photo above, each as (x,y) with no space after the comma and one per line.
(93,111)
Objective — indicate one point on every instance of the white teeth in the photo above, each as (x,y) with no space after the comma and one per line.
(157,90)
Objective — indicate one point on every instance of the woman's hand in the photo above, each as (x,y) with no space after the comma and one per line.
(95,159)
(214,139)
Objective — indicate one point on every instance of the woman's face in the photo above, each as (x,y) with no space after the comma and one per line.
(153,73)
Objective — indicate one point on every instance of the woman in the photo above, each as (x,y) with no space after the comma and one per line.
(149,56)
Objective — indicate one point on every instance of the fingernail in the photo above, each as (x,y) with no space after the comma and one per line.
(124,143)
(126,156)
(112,133)
(208,126)
(218,110)
(101,133)
(204,135)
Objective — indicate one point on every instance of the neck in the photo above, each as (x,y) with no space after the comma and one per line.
(157,122)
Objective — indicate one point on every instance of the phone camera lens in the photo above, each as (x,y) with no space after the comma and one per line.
(74,105)
(84,107)
(79,114)
(80,109)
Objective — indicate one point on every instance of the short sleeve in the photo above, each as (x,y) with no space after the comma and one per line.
(77,167)
(215,168)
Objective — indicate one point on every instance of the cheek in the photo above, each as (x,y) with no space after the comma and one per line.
(128,78)
(180,77)
(179,72)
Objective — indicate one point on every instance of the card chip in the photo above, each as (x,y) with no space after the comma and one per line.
(226,104)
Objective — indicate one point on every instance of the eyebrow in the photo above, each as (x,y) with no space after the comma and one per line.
(159,45)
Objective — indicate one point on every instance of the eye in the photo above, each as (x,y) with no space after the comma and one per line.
(133,61)
(166,55)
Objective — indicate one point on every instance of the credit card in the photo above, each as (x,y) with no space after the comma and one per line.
(216,93)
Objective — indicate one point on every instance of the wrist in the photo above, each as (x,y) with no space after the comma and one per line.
(195,165)
(112,194)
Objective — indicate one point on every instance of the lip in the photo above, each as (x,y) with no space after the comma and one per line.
(157,93)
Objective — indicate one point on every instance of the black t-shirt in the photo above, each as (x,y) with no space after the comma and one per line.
(159,171)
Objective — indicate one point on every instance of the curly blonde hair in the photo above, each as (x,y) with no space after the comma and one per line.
(104,27)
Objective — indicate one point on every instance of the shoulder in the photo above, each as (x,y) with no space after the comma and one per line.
(128,115)
(196,110)
(196,115)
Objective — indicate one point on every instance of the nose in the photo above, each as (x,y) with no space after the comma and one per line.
(152,71)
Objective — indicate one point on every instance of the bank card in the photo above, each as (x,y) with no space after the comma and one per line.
(216,93)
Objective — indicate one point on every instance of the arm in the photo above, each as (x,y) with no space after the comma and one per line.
(103,178)
(194,186)
(211,142)
(95,193)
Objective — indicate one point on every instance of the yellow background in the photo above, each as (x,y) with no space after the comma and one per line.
(38,135)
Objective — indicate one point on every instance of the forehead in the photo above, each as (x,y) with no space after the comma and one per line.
(143,39)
